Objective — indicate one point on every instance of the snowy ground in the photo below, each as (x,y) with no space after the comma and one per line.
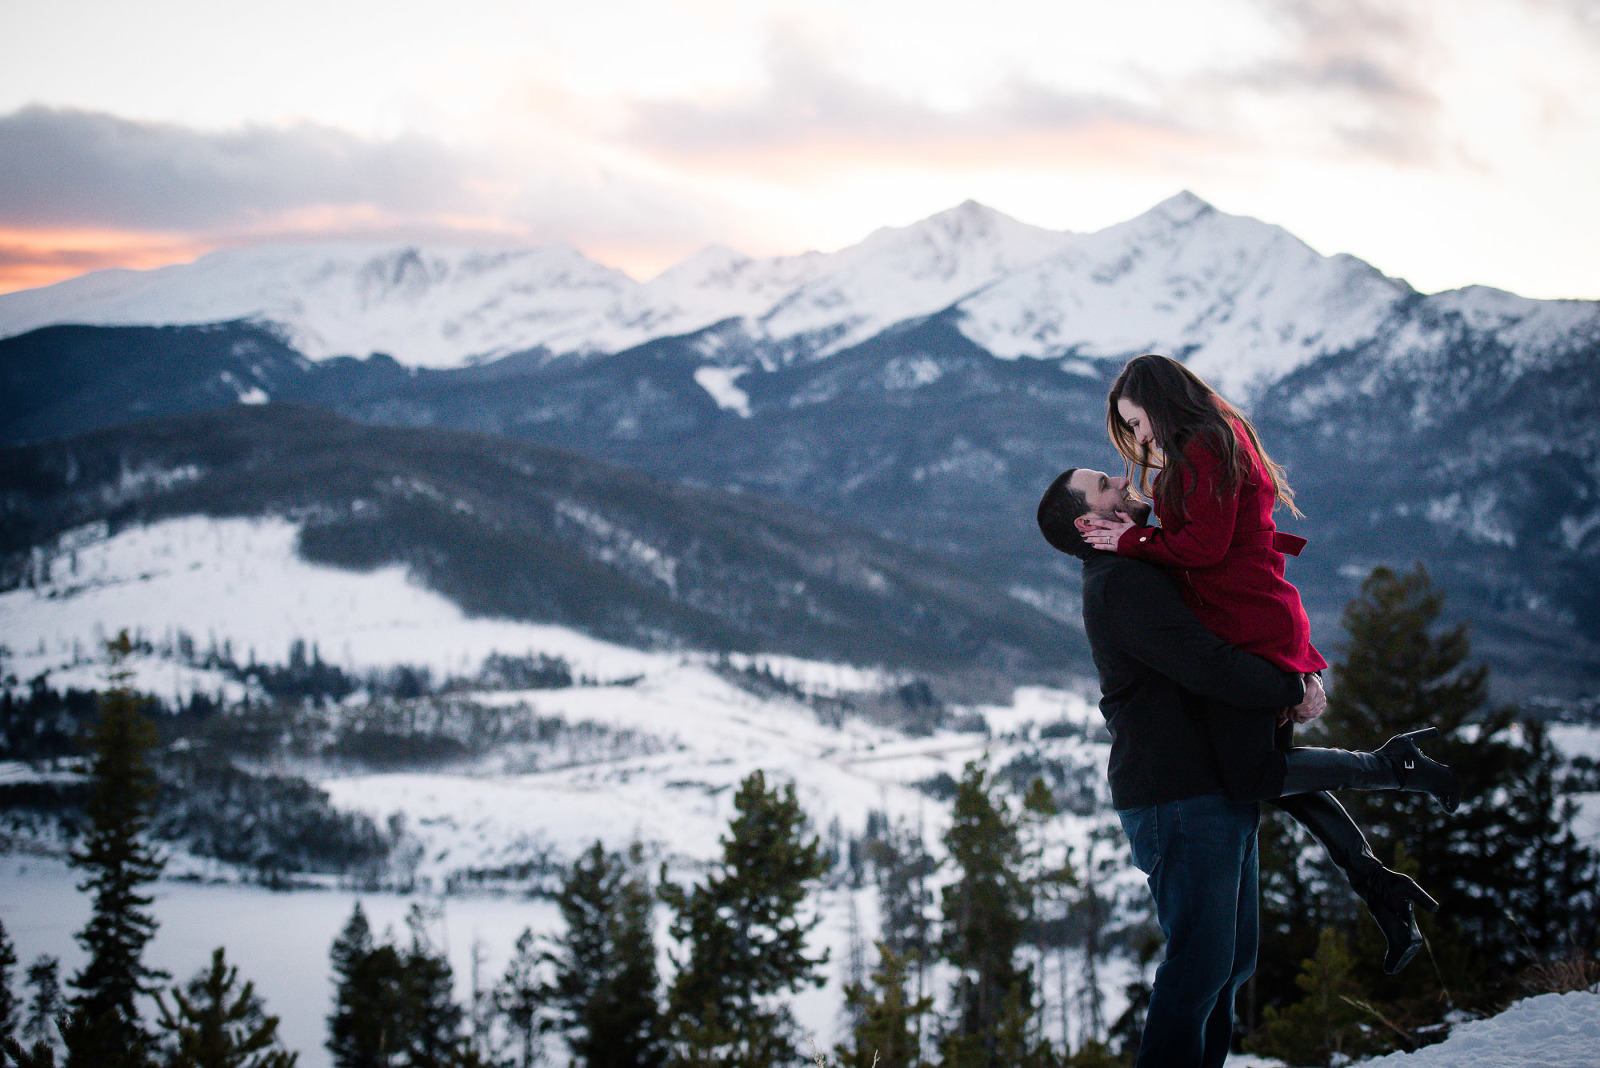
(1549,1031)
(238,581)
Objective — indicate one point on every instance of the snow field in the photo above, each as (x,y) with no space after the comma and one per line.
(239,581)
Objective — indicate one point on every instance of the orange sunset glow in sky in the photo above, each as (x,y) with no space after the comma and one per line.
(1448,142)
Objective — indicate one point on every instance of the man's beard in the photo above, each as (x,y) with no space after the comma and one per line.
(1135,509)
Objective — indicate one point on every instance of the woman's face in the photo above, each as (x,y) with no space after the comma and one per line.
(1143,434)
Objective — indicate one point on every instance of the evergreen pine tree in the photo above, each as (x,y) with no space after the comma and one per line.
(984,912)
(213,1023)
(1400,673)
(745,937)
(1330,1021)
(1093,912)
(1300,895)
(1555,904)
(888,1029)
(368,1026)
(432,1019)
(1505,847)
(44,1005)
(604,990)
(481,1009)
(40,1055)
(903,867)
(520,997)
(118,861)
(1016,1043)
(8,999)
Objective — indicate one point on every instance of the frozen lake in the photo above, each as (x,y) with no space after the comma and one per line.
(279,941)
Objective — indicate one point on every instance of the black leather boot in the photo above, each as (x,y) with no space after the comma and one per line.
(1420,774)
(1388,895)
(1397,765)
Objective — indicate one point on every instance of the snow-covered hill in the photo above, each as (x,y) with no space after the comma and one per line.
(444,306)
(699,731)
(1548,1031)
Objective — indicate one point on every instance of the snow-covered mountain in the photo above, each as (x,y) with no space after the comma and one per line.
(443,307)
(1242,301)
(1239,301)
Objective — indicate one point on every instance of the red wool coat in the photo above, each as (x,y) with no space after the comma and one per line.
(1229,558)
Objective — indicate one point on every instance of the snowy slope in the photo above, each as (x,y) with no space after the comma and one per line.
(901,273)
(1240,301)
(433,307)
(1548,1031)
(239,581)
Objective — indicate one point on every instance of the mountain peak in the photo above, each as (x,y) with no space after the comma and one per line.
(969,219)
(1183,207)
(966,229)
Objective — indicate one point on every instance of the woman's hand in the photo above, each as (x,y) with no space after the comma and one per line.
(1315,702)
(1102,533)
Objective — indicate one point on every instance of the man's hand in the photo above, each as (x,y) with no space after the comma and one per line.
(1102,533)
(1314,704)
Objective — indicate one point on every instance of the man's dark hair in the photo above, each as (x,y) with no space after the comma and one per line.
(1058,508)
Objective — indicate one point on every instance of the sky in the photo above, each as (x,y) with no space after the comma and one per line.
(1448,142)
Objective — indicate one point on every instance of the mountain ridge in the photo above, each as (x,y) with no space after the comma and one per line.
(1024,291)
(510,530)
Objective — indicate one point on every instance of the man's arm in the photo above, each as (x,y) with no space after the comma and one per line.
(1149,621)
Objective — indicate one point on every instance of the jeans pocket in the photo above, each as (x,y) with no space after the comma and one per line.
(1144,838)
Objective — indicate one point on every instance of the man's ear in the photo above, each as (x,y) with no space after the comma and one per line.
(1082,523)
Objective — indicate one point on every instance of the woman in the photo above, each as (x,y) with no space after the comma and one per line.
(1215,491)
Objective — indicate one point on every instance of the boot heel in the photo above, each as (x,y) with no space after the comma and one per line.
(1418,896)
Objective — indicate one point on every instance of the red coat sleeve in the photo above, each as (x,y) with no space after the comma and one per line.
(1201,536)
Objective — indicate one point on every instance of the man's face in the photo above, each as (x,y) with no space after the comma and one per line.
(1107,496)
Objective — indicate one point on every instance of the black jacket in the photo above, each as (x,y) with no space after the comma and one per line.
(1154,658)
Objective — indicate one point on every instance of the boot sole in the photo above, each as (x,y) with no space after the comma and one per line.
(1405,958)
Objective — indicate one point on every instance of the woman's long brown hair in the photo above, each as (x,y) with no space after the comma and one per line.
(1182,408)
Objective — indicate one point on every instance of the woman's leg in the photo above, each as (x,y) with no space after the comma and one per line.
(1255,758)
(1388,895)
(1396,765)
(1257,762)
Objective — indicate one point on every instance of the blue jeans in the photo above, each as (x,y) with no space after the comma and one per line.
(1200,856)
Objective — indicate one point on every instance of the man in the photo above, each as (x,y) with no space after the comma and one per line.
(1197,847)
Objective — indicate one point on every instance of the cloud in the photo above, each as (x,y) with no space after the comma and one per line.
(809,107)
(1352,70)
(80,169)
(1334,77)
(83,190)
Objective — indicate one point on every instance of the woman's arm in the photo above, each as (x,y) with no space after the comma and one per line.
(1200,537)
